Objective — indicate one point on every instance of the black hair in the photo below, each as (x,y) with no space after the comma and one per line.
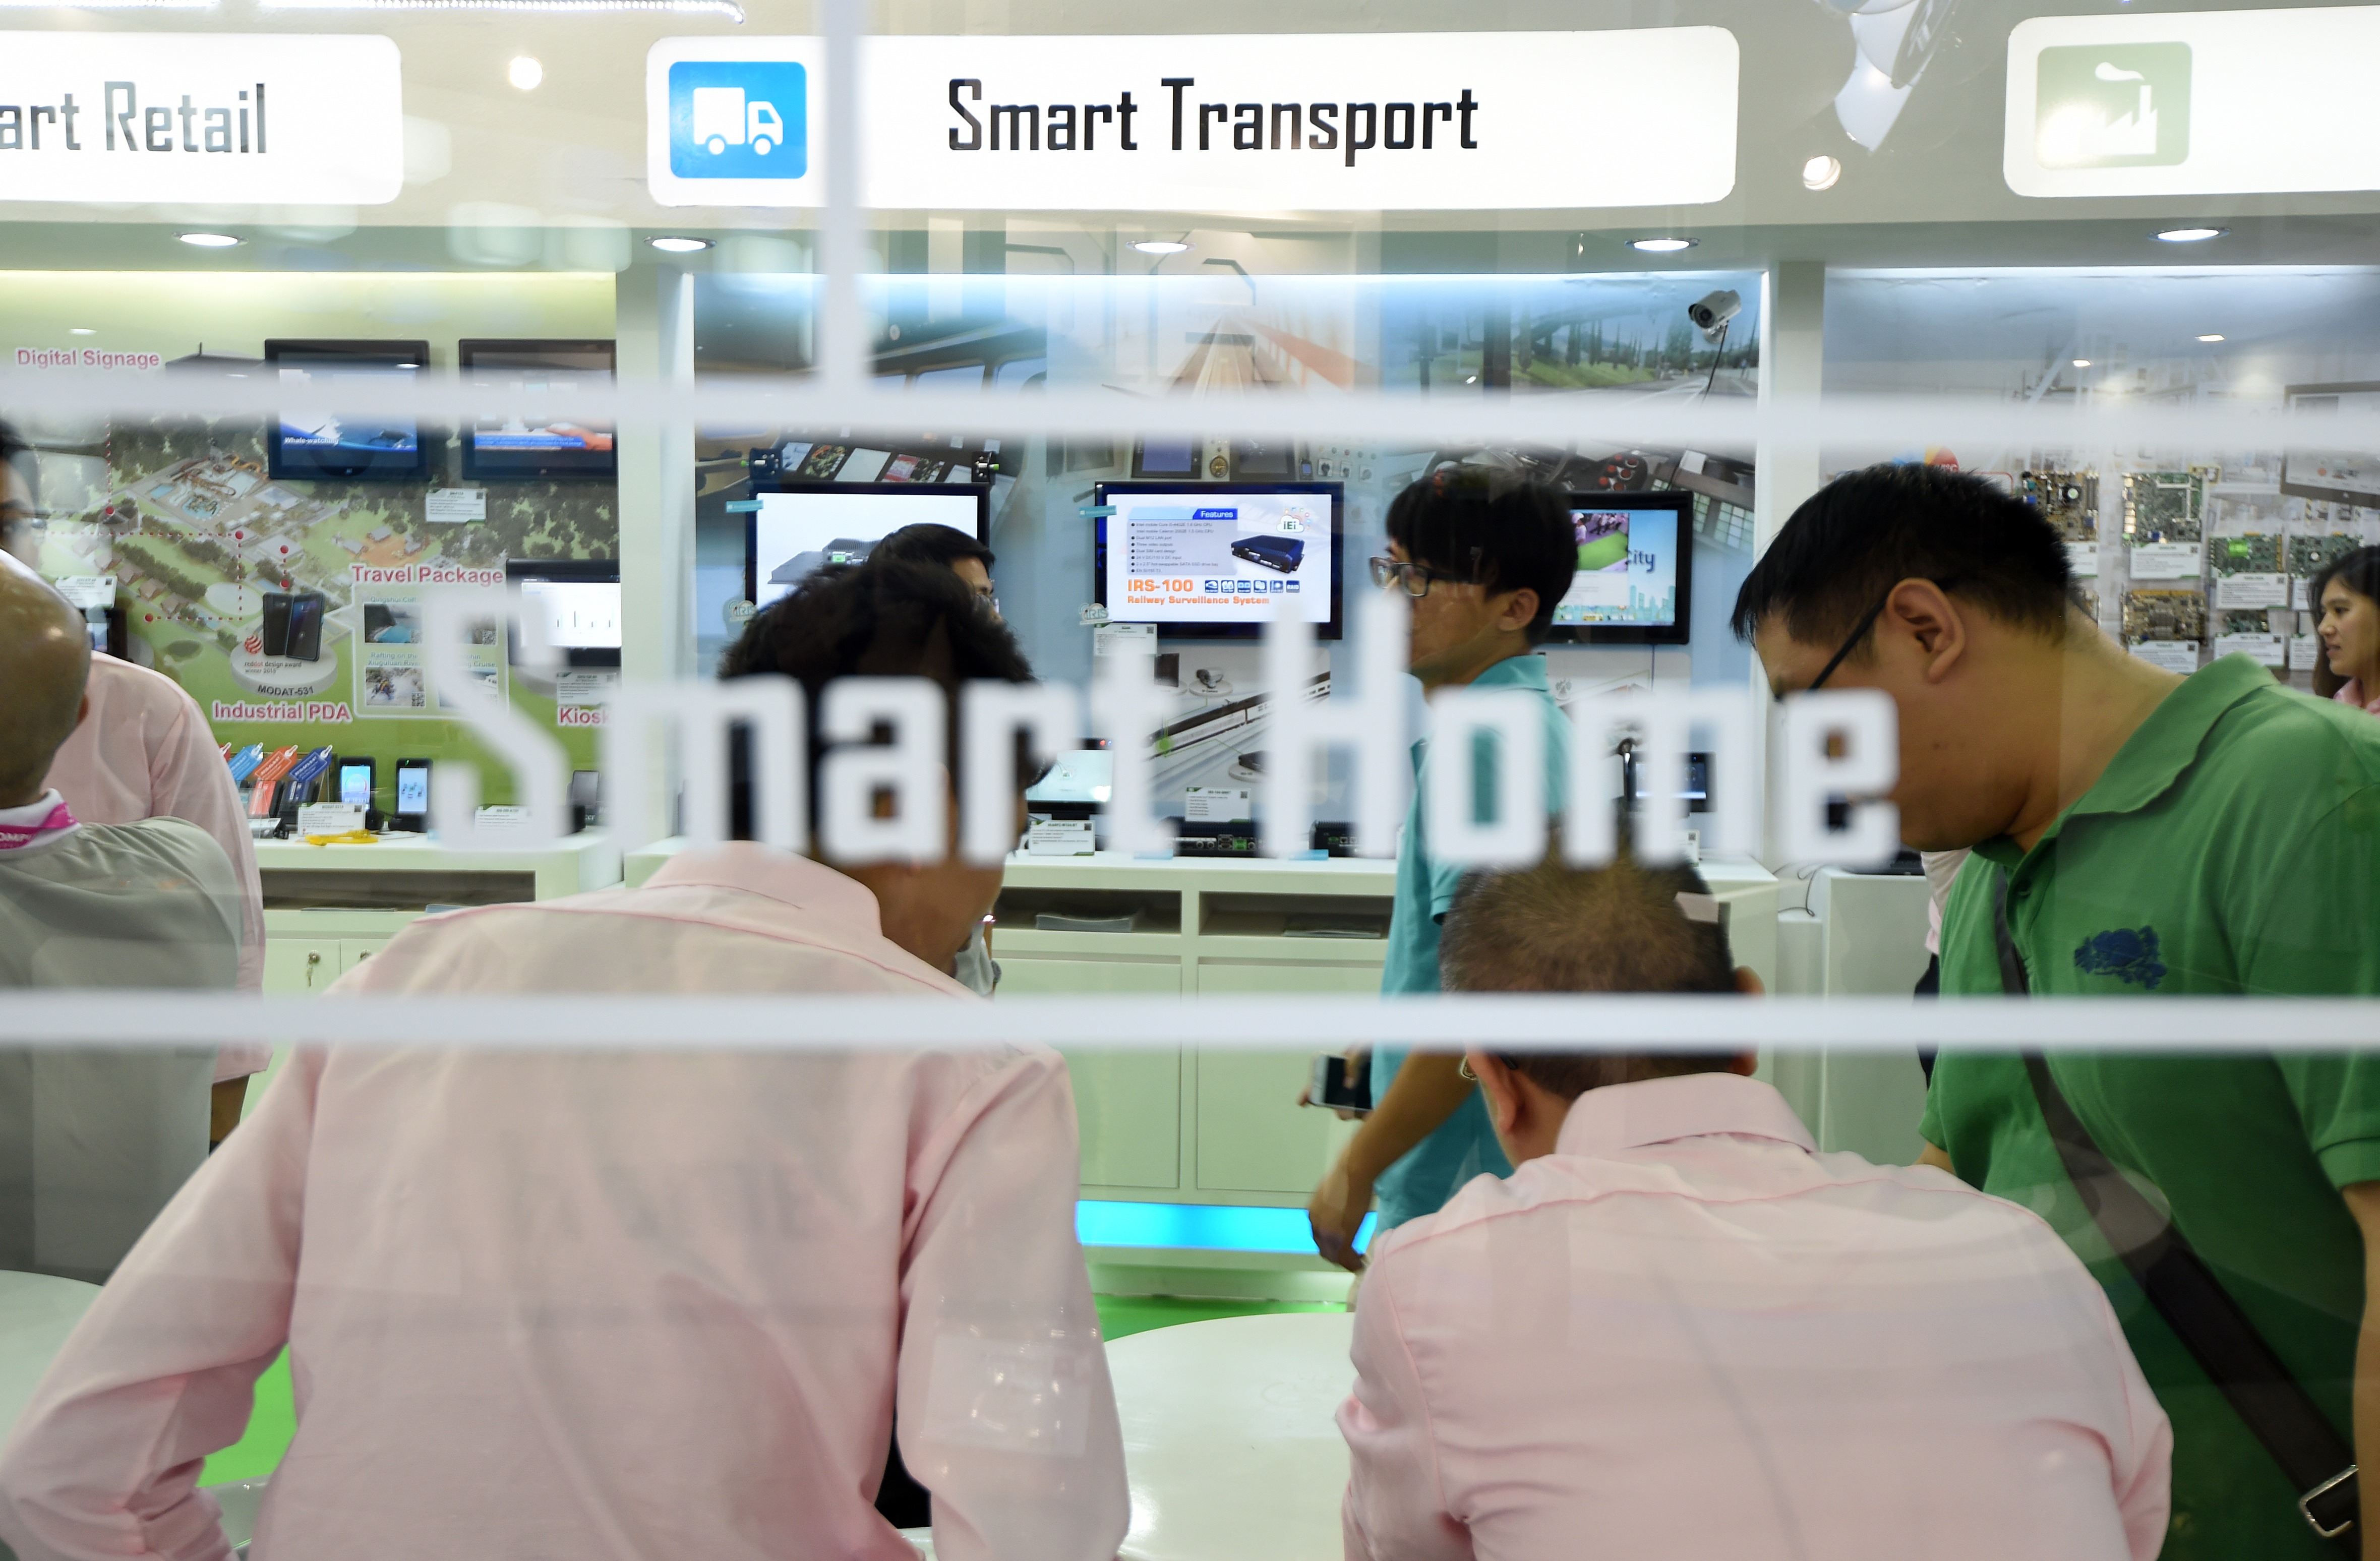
(1490,528)
(1622,927)
(929,542)
(884,619)
(2360,573)
(1867,531)
(17,451)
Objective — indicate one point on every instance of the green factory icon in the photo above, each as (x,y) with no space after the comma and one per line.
(2113,107)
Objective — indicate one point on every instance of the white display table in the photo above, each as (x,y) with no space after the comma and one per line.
(328,906)
(37,1313)
(1229,1437)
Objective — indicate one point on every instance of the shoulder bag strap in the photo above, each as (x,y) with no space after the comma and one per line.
(2317,1461)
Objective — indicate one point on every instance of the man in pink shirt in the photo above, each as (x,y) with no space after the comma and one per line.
(144,751)
(628,1304)
(1677,1330)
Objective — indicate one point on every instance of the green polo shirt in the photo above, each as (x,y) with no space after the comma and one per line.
(2232,846)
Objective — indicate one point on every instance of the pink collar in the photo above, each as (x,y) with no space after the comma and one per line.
(37,823)
(2351,693)
(810,887)
(1623,1117)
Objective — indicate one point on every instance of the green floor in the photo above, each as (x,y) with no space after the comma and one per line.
(1119,1315)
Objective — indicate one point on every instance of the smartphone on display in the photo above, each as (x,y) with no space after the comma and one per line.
(356,779)
(1331,1086)
(305,626)
(412,810)
(274,631)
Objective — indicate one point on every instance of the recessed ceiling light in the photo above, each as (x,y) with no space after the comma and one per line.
(1661,245)
(208,240)
(524,72)
(81,330)
(2211,336)
(2191,235)
(1821,173)
(1161,245)
(673,244)
(2082,363)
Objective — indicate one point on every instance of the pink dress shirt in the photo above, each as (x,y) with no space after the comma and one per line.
(2351,693)
(144,751)
(1686,1333)
(610,1305)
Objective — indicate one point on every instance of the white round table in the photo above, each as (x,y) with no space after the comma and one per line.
(37,1311)
(1229,1439)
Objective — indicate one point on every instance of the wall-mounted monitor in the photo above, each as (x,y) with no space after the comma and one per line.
(804,526)
(580,599)
(1220,560)
(524,441)
(314,438)
(1636,570)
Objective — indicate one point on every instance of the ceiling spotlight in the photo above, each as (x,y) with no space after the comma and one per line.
(208,240)
(524,72)
(1821,173)
(1661,245)
(673,244)
(1161,245)
(2082,363)
(2211,336)
(2191,235)
(81,330)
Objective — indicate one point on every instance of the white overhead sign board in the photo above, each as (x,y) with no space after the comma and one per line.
(1454,121)
(2205,102)
(200,118)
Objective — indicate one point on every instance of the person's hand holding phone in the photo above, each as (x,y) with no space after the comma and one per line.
(1336,1211)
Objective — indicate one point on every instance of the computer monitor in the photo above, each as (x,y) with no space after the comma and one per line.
(804,526)
(1634,583)
(580,602)
(523,443)
(316,439)
(1220,560)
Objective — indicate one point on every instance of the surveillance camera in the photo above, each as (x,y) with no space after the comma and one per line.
(1714,310)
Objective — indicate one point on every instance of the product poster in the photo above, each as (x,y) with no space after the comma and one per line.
(394,679)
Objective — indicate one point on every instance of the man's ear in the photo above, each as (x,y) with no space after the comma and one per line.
(1923,611)
(1517,609)
(1498,1089)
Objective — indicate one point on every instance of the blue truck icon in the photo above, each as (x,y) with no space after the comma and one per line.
(739,119)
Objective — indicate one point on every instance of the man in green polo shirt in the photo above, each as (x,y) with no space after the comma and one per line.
(1485,560)
(2153,836)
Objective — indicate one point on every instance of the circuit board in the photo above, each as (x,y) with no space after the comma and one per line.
(2164,614)
(2161,507)
(2069,501)
(2310,556)
(2239,620)
(2256,553)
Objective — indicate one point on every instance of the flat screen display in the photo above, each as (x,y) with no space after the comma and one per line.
(315,438)
(1220,560)
(522,440)
(413,788)
(1635,558)
(356,784)
(579,600)
(804,527)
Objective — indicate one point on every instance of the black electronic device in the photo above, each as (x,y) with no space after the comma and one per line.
(315,439)
(1340,1083)
(1164,457)
(517,445)
(763,464)
(1696,791)
(580,599)
(306,610)
(1218,560)
(412,810)
(1333,839)
(272,630)
(803,525)
(357,781)
(1636,576)
(585,798)
(1216,837)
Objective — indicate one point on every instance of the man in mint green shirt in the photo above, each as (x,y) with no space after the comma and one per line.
(2150,836)
(1485,559)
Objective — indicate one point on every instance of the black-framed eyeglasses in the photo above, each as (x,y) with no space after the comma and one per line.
(1860,633)
(1414,579)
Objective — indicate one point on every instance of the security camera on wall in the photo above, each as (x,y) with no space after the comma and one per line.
(1713,311)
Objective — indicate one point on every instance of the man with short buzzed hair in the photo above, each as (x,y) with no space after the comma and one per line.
(93,1142)
(1677,1329)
